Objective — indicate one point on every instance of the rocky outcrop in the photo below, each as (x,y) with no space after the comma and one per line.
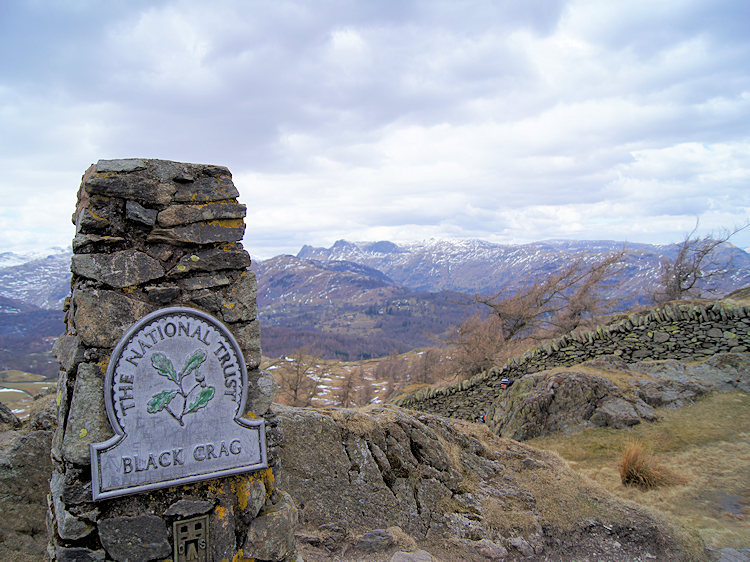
(25,467)
(570,399)
(563,401)
(380,480)
(8,419)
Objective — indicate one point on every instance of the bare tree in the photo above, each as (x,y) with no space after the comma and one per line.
(348,390)
(426,366)
(695,266)
(562,302)
(477,345)
(566,300)
(367,393)
(296,383)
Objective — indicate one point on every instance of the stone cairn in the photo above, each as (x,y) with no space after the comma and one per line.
(151,234)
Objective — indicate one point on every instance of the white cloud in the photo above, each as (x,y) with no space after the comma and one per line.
(394,120)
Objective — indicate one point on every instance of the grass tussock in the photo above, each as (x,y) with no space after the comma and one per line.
(638,468)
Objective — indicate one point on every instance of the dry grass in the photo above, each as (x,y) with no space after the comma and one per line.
(707,443)
(639,468)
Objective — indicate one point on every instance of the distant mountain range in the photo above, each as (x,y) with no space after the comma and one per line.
(364,299)
(476,266)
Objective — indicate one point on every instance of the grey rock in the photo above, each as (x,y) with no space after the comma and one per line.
(69,527)
(78,554)
(248,336)
(70,487)
(189,508)
(197,283)
(120,165)
(270,536)
(143,537)
(661,337)
(416,556)
(615,412)
(130,187)
(254,493)
(95,308)
(68,350)
(177,215)
(43,414)
(223,524)
(163,294)
(162,252)
(212,259)
(641,354)
(88,221)
(25,467)
(239,299)
(262,387)
(206,189)
(138,213)
(8,420)
(375,541)
(492,550)
(645,411)
(522,546)
(221,230)
(86,243)
(87,420)
(539,404)
(119,269)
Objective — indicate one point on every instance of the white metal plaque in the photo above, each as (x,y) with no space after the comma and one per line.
(175,395)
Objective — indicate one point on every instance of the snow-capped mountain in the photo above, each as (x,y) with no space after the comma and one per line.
(38,278)
(477,266)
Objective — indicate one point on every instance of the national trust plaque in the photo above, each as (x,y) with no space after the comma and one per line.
(175,393)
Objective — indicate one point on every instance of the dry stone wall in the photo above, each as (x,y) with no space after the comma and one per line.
(152,234)
(677,331)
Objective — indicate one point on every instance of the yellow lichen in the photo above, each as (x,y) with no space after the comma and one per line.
(240,557)
(221,512)
(194,258)
(181,267)
(82,433)
(226,223)
(58,398)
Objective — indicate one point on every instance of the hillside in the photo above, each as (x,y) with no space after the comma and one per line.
(347,311)
(26,336)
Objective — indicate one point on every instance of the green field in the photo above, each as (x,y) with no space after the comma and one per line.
(17,389)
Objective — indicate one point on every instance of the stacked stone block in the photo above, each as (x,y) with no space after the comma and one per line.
(150,234)
(676,331)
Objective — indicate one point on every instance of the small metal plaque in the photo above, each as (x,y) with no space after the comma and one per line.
(191,540)
(175,393)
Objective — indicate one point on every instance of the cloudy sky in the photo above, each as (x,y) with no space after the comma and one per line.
(403,120)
